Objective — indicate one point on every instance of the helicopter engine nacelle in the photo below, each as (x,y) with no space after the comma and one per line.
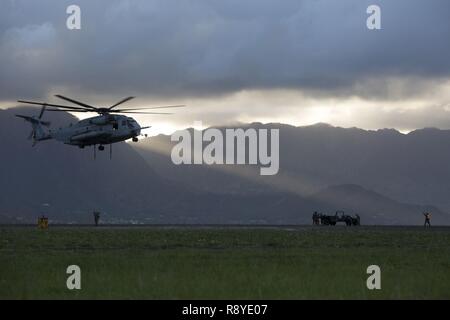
(101,120)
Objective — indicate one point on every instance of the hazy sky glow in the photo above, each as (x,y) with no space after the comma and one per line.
(291,61)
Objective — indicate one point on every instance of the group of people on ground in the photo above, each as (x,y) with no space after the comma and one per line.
(316,218)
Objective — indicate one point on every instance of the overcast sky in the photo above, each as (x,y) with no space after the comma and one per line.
(291,61)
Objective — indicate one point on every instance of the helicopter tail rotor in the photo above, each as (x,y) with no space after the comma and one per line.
(37,132)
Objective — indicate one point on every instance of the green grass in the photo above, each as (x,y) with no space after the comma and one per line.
(182,263)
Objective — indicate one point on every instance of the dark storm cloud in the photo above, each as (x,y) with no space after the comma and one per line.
(211,47)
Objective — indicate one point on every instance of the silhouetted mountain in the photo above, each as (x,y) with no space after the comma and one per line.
(411,168)
(67,184)
(408,168)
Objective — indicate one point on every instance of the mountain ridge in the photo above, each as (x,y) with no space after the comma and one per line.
(129,189)
(408,167)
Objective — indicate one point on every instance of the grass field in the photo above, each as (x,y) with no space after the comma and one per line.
(224,263)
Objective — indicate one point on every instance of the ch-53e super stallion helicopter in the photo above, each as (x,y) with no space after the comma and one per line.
(107,128)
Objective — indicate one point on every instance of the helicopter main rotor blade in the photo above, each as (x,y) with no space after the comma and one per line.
(76,102)
(120,102)
(50,105)
(137,112)
(68,110)
(151,108)
(166,107)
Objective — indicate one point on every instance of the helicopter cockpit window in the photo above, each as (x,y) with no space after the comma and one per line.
(115,126)
(124,123)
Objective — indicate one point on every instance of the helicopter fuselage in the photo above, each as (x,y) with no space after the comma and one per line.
(99,130)
(108,127)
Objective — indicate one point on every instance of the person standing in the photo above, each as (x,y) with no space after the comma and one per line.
(316,218)
(96,217)
(358,219)
(427,216)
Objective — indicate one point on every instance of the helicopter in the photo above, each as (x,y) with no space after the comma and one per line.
(110,126)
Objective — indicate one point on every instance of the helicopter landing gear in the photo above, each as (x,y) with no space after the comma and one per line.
(101,148)
(135,139)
